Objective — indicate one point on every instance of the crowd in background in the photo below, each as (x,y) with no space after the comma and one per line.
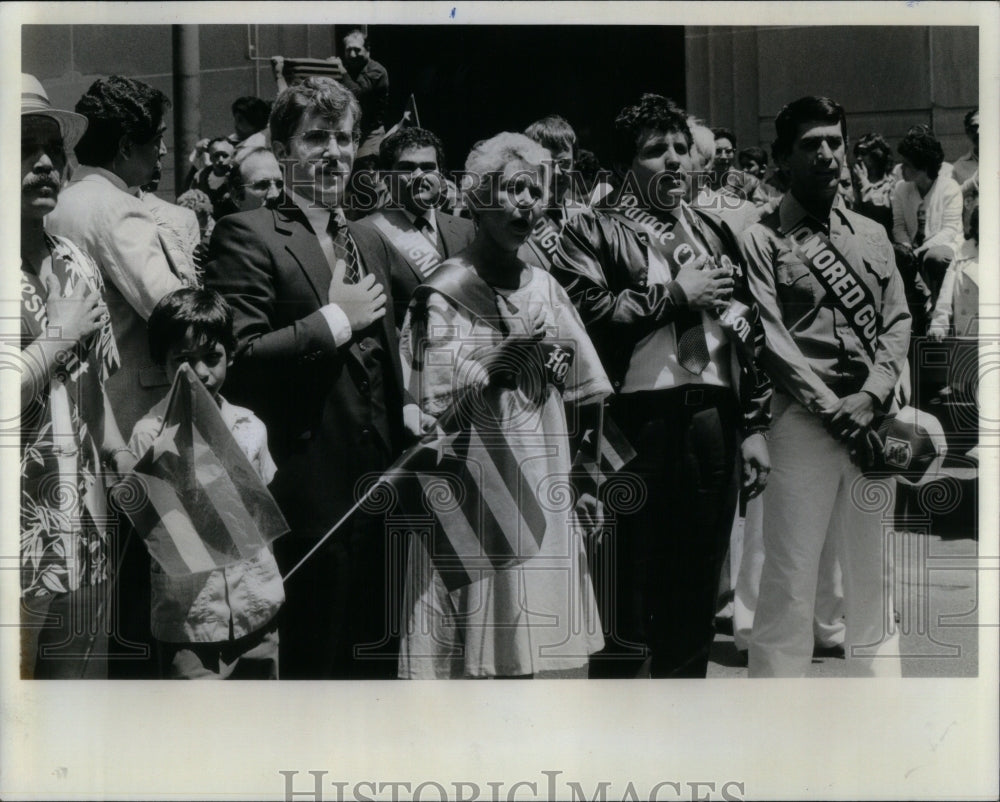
(355,297)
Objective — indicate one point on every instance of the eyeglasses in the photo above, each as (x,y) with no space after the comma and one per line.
(219,155)
(266,183)
(319,138)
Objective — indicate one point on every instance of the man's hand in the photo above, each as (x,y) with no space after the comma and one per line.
(756,464)
(705,288)
(363,303)
(853,414)
(937,332)
(417,422)
(77,316)
(590,514)
(863,449)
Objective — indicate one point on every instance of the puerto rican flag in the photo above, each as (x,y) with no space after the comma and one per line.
(194,496)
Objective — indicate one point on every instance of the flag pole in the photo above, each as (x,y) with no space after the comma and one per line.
(597,450)
(381,480)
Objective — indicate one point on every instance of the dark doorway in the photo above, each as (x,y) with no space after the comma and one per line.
(473,81)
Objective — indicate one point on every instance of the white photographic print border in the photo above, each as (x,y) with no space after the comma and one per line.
(915,738)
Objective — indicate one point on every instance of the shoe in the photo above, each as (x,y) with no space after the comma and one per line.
(837,651)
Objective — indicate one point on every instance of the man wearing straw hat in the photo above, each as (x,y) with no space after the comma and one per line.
(67,352)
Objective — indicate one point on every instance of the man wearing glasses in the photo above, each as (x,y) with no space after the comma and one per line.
(411,222)
(317,360)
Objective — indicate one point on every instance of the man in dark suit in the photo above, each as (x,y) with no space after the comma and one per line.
(317,360)
(410,162)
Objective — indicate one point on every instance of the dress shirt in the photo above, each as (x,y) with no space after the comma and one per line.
(655,364)
(812,352)
(319,220)
(429,216)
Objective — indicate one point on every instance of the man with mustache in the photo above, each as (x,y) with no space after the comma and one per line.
(659,287)
(411,161)
(67,429)
(317,360)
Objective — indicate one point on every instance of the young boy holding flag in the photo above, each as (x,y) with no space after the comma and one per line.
(219,623)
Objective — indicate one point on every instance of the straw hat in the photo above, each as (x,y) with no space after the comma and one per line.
(35,100)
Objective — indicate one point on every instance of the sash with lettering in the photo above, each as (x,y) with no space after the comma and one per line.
(847,291)
(414,247)
(543,242)
(739,318)
(466,290)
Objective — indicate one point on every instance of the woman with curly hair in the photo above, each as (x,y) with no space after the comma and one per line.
(873,179)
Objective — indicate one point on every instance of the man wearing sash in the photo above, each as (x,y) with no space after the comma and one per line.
(558,137)
(660,289)
(837,329)
(411,161)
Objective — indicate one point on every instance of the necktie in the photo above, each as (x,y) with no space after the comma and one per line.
(423,225)
(692,347)
(344,248)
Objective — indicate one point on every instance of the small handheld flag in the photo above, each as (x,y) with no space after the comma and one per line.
(194,496)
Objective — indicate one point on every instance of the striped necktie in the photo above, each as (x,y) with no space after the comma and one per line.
(344,247)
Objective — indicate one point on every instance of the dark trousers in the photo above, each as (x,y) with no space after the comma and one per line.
(340,619)
(657,570)
(254,656)
(922,276)
(65,636)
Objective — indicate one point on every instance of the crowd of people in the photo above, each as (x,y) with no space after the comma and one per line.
(743,322)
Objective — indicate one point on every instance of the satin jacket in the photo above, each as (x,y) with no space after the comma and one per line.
(603,263)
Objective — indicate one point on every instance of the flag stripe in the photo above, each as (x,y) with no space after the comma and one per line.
(502,499)
(219,487)
(204,516)
(147,522)
(455,538)
(175,528)
(250,490)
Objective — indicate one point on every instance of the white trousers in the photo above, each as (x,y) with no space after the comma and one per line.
(815,494)
(828,621)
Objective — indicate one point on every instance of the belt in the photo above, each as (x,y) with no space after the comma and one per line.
(689,396)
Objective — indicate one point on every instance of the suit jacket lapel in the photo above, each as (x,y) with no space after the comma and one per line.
(302,245)
(368,242)
(446,233)
(400,220)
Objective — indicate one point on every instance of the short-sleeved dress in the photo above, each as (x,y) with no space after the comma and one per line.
(539,615)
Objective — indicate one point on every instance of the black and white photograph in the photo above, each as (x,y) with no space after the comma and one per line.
(640,350)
